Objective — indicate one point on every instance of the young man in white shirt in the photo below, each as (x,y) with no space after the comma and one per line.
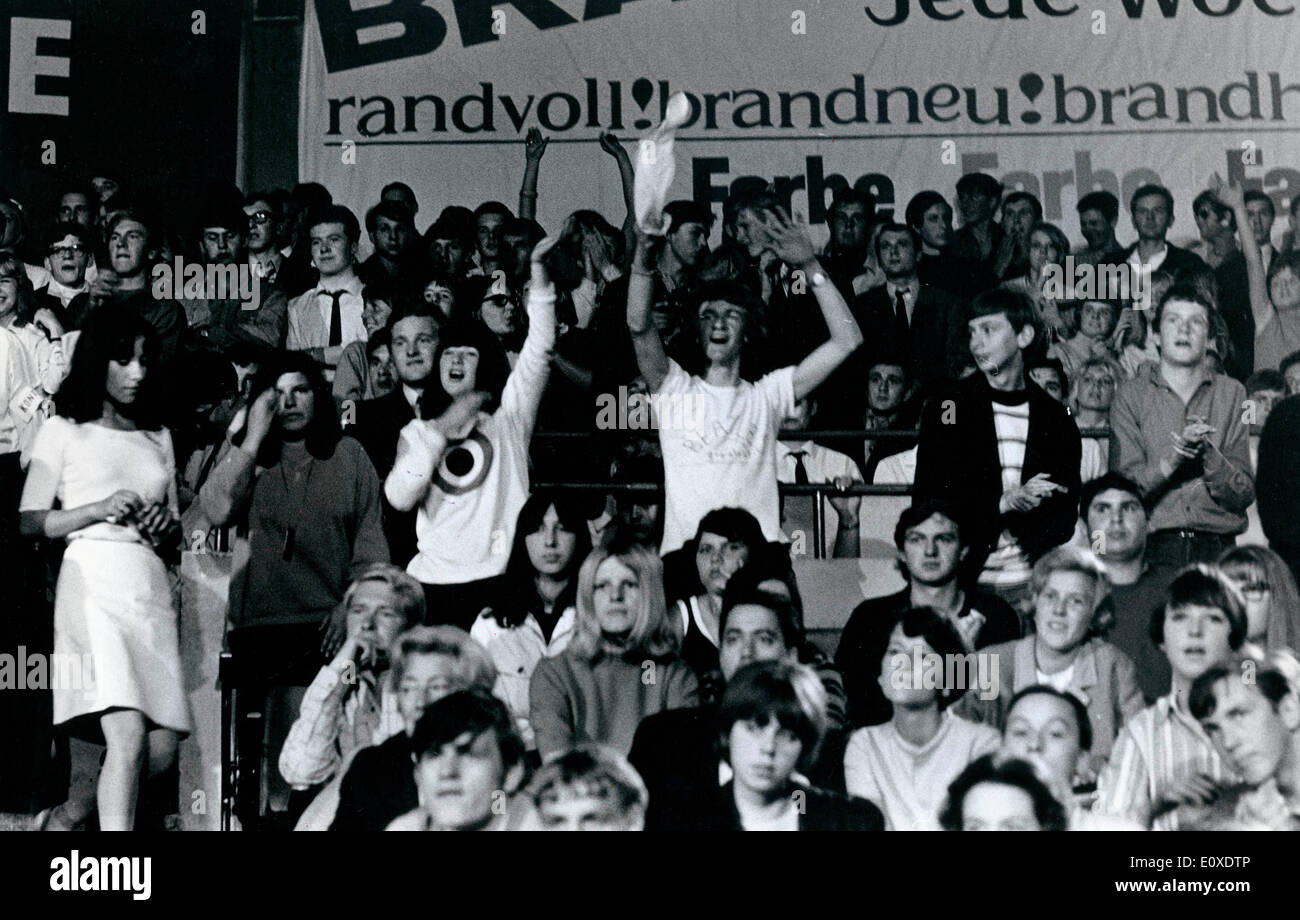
(327,317)
(726,455)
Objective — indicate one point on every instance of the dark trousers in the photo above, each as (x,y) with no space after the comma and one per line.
(1177,549)
(460,604)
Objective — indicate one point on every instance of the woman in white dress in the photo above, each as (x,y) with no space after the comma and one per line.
(110,465)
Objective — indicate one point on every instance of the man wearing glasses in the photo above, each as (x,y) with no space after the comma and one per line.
(263,256)
(69,248)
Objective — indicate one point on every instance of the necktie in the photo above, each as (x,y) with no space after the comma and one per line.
(900,310)
(800,471)
(336,317)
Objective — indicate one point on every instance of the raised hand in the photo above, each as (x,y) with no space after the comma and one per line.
(534,145)
(1231,195)
(460,414)
(613,146)
(788,240)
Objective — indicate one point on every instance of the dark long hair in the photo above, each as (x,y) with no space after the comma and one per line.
(517,595)
(109,334)
(323,431)
(493,366)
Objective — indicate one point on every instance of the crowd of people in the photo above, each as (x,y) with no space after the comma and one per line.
(464,595)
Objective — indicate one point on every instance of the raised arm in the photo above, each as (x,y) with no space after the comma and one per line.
(1260,306)
(627,177)
(534,148)
(524,387)
(230,483)
(651,359)
(790,243)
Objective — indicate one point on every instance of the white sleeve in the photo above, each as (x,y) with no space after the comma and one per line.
(778,391)
(45,474)
(523,391)
(676,380)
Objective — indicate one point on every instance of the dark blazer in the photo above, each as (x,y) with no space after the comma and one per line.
(1179,262)
(821,811)
(935,344)
(378,424)
(1277,487)
(1234,306)
(958,461)
(378,787)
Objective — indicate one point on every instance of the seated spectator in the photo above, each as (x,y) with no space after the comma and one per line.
(469,763)
(428,664)
(906,764)
(1250,709)
(391,226)
(995,794)
(1096,338)
(930,217)
(1289,368)
(892,405)
(1067,651)
(588,788)
(1091,393)
(349,705)
(1269,593)
(1115,519)
(726,539)
(365,369)
(36,363)
(931,550)
(772,719)
(449,243)
(1162,759)
(621,664)
(534,613)
(263,221)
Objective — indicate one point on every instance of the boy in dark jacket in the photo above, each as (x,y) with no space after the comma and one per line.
(1002,451)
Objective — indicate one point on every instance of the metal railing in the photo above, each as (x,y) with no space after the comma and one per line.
(818,489)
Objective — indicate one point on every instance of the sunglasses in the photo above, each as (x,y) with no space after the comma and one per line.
(259,217)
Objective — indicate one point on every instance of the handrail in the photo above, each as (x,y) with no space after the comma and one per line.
(804,434)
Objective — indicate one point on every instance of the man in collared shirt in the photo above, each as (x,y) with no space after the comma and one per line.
(1254,723)
(263,222)
(804,462)
(328,317)
(1177,431)
(1162,759)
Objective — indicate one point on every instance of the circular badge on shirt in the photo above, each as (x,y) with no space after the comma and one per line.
(465,464)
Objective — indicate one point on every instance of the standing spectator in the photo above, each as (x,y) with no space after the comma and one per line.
(1098,215)
(850,219)
(109,463)
(1217,229)
(391,227)
(1045,245)
(263,257)
(467,470)
(980,241)
(621,664)
(328,315)
(489,218)
(1115,518)
(1152,208)
(1177,432)
(1279,486)
(930,217)
(919,323)
(1002,451)
(728,458)
(535,610)
(69,249)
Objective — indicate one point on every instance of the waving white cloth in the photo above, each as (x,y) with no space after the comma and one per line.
(655,168)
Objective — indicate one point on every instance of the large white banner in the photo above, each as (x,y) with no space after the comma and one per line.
(1054,96)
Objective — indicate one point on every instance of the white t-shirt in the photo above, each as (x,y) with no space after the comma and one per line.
(719,447)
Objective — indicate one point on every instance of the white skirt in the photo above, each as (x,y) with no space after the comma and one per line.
(116,630)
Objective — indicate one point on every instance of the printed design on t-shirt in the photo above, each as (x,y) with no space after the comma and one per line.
(725,441)
(465,464)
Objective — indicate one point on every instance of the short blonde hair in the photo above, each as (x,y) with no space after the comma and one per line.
(407,592)
(1085,562)
(654,634)
(473,664)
